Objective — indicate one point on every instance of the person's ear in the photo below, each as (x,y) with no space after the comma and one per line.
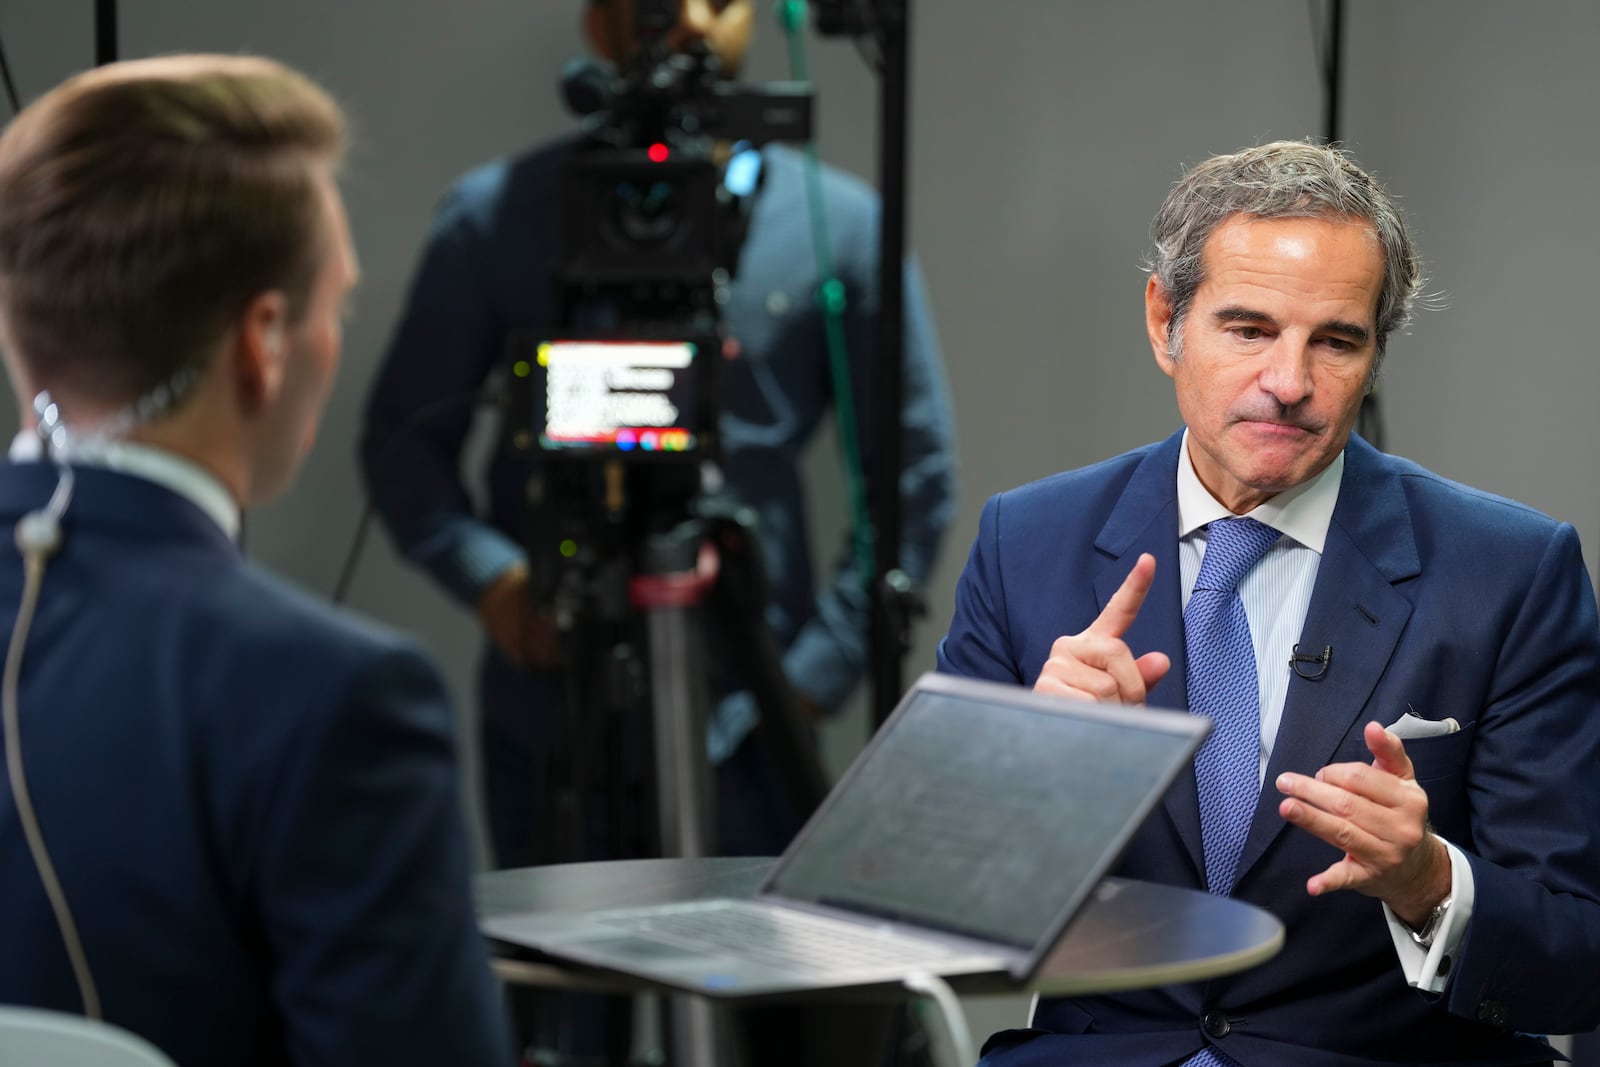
(1158,322)
(261,349)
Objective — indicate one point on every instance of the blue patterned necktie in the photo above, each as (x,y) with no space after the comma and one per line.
(1222,684)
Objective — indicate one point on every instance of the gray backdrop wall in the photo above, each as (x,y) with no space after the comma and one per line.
(1046,132)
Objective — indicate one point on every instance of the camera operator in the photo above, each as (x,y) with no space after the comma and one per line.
(485,275)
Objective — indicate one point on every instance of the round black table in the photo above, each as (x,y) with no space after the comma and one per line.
(1129,935)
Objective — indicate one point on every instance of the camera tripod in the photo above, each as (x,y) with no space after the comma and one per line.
(636,610)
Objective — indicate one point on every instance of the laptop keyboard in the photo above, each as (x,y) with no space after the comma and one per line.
(784,939)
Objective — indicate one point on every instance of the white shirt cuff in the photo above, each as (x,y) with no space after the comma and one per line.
(1429,968)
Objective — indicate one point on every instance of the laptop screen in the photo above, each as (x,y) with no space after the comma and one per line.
(986,810)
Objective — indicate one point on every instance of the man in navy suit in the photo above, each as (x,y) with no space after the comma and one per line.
(1427,695)
(232,819)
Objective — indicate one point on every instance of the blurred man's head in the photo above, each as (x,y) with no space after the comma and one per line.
(724,26)
(172,242)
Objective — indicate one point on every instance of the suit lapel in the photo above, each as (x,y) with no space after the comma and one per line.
(1356,610)
(1145,519)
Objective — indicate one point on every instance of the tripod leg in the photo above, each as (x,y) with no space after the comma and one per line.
(678,699)
(695,1028)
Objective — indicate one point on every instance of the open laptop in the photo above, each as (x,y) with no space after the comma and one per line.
(960,842)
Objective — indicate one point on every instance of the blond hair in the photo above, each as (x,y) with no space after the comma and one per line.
(144,204)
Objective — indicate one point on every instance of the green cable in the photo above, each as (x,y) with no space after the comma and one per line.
(831,298)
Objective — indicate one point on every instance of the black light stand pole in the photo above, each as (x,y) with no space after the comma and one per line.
(105,32)
(893,601)
(892,598)
(1333,71)
(1369,423)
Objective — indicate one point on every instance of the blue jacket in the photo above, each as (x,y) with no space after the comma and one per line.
(250,799)
(1434,596)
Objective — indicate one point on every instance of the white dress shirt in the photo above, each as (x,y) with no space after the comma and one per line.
(1276,593)
(188,479)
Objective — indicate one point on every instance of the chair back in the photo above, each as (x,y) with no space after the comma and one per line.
(38,1038)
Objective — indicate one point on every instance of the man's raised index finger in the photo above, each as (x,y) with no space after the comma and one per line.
(1124,605)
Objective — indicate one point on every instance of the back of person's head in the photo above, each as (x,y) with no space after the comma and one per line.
(1284,179)
(143,205)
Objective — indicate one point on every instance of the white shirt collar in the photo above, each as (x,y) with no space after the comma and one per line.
(170,471)
(1304,512)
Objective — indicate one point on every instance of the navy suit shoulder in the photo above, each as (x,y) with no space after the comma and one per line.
(1030,576)
(1094,487)
(1435,499)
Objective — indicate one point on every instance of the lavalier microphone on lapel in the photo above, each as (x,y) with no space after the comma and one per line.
(1311,668)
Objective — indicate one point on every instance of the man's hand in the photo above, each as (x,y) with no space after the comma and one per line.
(1378,816)
(523,635)
(1097,664)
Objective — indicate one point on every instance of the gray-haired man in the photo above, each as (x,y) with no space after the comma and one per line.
(1403,673)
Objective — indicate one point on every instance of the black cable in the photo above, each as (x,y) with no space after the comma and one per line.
(871,34)
(891,606)
(347,572)
(1319,49)
(1333,70)
(5,74)
(1327,39)
(105,32)
(869,55)
(855,19)
(490,395)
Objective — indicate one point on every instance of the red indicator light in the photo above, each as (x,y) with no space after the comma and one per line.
(657,152)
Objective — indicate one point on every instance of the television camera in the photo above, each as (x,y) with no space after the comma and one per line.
(633,547)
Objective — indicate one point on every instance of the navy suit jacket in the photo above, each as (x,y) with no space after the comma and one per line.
(1434,597)
(250,799)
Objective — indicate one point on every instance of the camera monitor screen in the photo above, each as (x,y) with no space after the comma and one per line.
(630,398)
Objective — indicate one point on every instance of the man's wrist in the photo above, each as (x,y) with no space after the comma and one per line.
(1419,908)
